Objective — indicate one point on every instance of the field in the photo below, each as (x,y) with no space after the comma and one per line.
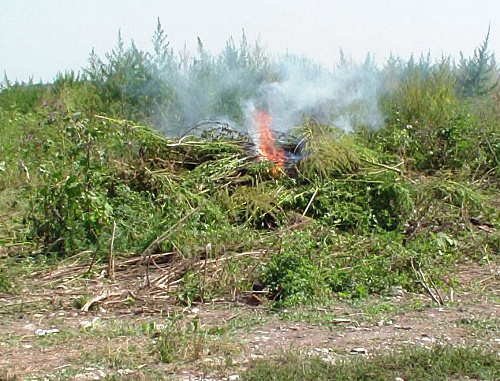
(244,216)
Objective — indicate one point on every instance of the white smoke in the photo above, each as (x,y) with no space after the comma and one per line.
(345,97)
(230,86)
(177,92)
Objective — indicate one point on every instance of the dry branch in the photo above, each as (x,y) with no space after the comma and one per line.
(435,296)
(165,235)
(111,263)
(102,296)
(388,167)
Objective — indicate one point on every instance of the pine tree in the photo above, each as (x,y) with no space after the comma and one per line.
(478,75)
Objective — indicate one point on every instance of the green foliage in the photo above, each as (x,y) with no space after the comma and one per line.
(192,289)
(6,284)
(100,171)
(23,97)
(431,127)
(68,214)
(258,206)
(362,203)
(330,153)
(155,86)
(294,278)
(128,81)
(423,112)
(314,264)
(68,210)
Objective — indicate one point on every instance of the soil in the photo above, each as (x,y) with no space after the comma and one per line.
(109,340)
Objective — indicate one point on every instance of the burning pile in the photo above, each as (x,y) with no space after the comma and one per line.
(261,143)
(265,141)
(285,150)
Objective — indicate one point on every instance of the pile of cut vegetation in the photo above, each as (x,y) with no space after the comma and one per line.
(206,217)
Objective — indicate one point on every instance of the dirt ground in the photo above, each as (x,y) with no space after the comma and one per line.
(46,334)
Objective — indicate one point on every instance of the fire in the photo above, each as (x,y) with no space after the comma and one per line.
(262,122)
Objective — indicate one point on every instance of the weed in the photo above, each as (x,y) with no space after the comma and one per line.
(182,341)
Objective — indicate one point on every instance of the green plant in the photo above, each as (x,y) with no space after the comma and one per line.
(293,279)
(478,75)
(179,342)
(21,96)
(70,211)
(6,284)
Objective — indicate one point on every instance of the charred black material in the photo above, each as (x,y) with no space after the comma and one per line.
(294,147)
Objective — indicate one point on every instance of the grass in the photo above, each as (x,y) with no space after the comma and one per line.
(438,363)
(481,327)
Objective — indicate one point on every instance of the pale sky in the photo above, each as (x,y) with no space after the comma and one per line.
(41,37)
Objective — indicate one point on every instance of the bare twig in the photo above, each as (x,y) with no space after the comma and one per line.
(395,169)
(436,290)
(75,256)
(111,262)
(147,253)
(47,250)
(137,259)
(310,202)
(26,171)
(103,295)
(437,298)
(94,259)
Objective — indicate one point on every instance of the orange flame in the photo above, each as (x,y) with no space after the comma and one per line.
(262,122)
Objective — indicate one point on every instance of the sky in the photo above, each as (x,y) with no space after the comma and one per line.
(39,38)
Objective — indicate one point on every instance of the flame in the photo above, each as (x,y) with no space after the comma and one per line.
(262,122)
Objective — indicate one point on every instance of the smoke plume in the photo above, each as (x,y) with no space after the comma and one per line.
(344,97)
(189,89)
